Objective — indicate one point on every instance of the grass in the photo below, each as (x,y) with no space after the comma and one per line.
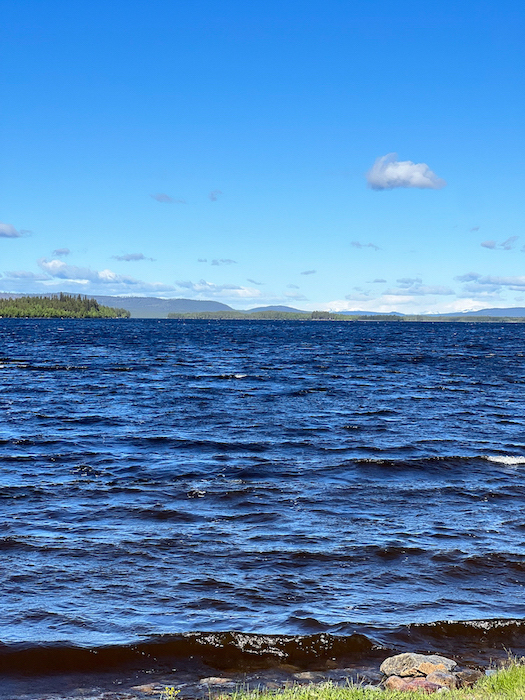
(508,683)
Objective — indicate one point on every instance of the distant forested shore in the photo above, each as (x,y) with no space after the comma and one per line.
(57,306)
(328,316)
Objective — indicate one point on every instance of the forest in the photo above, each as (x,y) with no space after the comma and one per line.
(57,306)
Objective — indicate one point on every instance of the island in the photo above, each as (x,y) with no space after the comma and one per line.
(57,306)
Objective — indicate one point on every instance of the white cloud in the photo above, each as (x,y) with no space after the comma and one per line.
(129,257)
(164,198)
(388,173)
(422,290)
(59,270)
(224,261)
(9,231)
(356,244)
(26,275)
(509,244)
(205,288)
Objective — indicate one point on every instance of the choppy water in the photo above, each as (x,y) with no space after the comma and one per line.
(167,477)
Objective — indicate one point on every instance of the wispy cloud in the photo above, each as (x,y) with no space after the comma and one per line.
(26,275)
(309,272)
(9,231)
(388,173)
(214,195)
(292,286)
(356,244)
(254,282)
(221,290)
(413,286)
(509,244)
(378,280)
(164,198)
(223,261)
(131,257)
(488,285)
(475,228)
(409,281)
(358,296)
(61,252)
(203,260)
(59,270)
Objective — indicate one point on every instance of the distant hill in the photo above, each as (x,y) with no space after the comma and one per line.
(287,309)
(153,307)
(511,312)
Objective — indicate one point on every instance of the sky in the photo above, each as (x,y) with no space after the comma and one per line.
(328,155)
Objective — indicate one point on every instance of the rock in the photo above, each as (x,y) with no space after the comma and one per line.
(288,668)
(310,676)
(443,678)
(422,685)
(427,667)
(468,677)
(396,683)
(409,664)
(216,680)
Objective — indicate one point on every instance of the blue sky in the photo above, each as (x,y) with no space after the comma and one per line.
(246,152)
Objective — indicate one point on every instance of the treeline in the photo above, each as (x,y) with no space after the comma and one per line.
(329,316)
(57,306)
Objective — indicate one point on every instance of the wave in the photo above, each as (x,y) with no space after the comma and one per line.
(505,459)
(238,651)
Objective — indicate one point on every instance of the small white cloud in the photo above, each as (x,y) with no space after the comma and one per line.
(221,290)
(509,243)
(9,231)
(223,261)
(388,173)
(356,244)
(292,286)
(468,277)
(409,281)
(358,296)
(26,275)
(214,195)
(164,198)
(131,257)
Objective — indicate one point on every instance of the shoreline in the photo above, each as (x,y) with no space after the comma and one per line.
(222,663)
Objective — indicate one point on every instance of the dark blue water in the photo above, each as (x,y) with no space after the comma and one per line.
(163,477)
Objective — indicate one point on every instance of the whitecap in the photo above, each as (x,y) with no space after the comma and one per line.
(506,459)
